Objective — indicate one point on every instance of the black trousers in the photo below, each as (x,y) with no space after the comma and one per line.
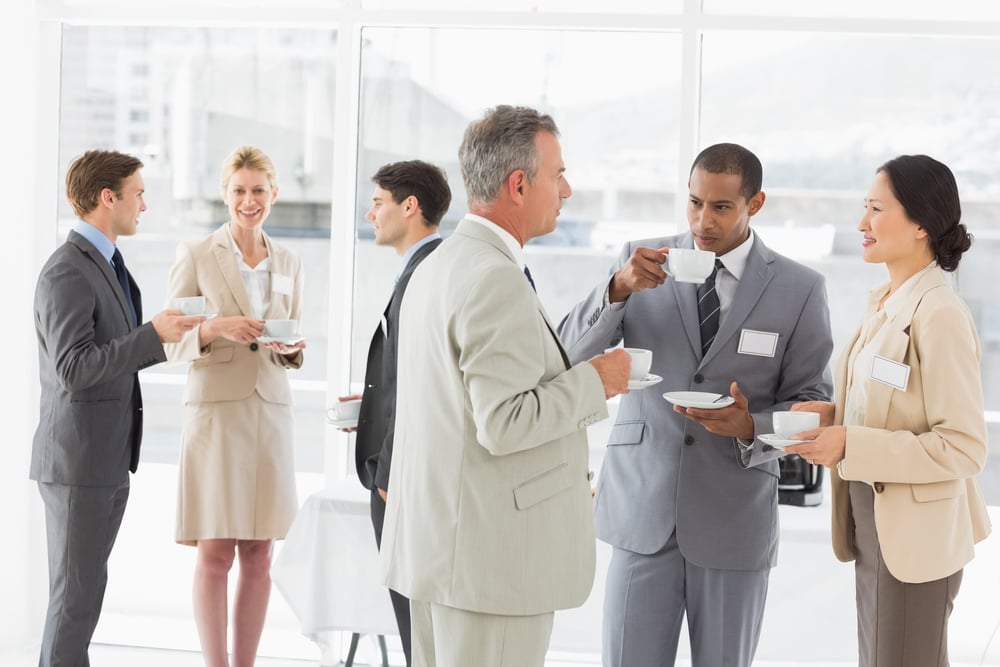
(400,604)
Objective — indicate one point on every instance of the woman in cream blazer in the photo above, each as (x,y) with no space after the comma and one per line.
(237,484)
(907,436)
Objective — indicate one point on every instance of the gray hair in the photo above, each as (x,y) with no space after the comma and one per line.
(502,141)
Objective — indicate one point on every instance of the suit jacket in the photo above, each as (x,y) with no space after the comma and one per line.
(489,505)
(224,370)
(921,447)
(377,419)
(663,472)
(90,421)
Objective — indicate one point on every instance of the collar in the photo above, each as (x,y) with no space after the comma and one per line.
(508,239)
(894,304)
(735,260)
(95,236)
(412,250)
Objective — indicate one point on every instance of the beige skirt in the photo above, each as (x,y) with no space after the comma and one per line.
(237,471)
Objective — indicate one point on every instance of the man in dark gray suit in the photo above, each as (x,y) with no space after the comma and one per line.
(409,201)
(688,497)
(91,342)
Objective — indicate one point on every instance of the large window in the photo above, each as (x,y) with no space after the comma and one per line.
(822,92)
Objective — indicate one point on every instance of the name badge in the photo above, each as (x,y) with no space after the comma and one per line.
(281,284)
(890,372)
(758,343)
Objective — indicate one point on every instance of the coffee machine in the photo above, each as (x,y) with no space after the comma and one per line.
(800,483)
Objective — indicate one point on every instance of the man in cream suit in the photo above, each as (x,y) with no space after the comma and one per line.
(91,345)
(687,497)
(488,528)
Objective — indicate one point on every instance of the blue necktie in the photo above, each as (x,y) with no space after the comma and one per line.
(118,262)
(709,309)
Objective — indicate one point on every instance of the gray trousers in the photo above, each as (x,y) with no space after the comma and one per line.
(81,524)
(647,597)
(899,624)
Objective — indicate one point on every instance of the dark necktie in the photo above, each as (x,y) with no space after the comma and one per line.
(527,273)
(118,262)
(709,309)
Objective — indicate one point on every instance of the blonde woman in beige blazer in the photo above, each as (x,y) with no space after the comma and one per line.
(237,485)
(906,436)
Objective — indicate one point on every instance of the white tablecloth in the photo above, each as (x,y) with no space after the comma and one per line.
(327,567)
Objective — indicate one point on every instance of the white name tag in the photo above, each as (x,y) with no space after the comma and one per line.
(890,372)
(281,284)
(758,343)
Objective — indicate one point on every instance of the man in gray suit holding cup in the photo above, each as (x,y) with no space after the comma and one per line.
(687,496)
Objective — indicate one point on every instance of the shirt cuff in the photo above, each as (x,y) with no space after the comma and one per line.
(746,450)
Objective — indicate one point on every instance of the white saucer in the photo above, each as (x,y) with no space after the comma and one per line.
(647,381)
(777,441)
(698,399)
(343,423)
(291,340)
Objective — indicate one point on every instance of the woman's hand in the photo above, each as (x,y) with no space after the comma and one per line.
(239,329)
(826,445)
(824,408)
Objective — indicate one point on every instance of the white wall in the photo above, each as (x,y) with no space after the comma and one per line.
(22,563)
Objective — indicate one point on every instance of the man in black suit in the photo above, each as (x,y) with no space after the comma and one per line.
(409,201)
(92,343)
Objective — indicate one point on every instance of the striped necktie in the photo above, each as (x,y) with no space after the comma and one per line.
(709,309)
(118,264)
(527,274)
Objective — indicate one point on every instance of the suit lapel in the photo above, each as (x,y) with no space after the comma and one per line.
(483,233)
(224,255)
(88,249)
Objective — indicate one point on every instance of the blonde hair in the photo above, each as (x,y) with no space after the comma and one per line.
(248,157)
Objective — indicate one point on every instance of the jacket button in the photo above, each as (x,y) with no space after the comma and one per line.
(699,378)
(590,475)
(253,347)
(688,439)
(879,487)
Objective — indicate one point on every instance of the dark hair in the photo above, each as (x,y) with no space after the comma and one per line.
(425,181)
(732,159)
(89,174)
(929,194)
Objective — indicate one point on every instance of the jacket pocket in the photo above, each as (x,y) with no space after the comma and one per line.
(543,486)
(627,433)
(925,493)
(219,355)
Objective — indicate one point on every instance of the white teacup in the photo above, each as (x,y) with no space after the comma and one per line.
(786,424)
(690,265)
(344,410)
(188,305)
(280,328)
(642,360)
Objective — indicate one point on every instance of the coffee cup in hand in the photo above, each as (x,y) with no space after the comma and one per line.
(346,410)
(690,265)
(642,360)
(188,305)
(787,423)
(280,328)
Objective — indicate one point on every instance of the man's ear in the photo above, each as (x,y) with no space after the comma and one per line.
(515,184)
(755,203)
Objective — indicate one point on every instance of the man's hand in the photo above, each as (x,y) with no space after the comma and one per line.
(643,270)
(171,325)
(614,368)
(733,420)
